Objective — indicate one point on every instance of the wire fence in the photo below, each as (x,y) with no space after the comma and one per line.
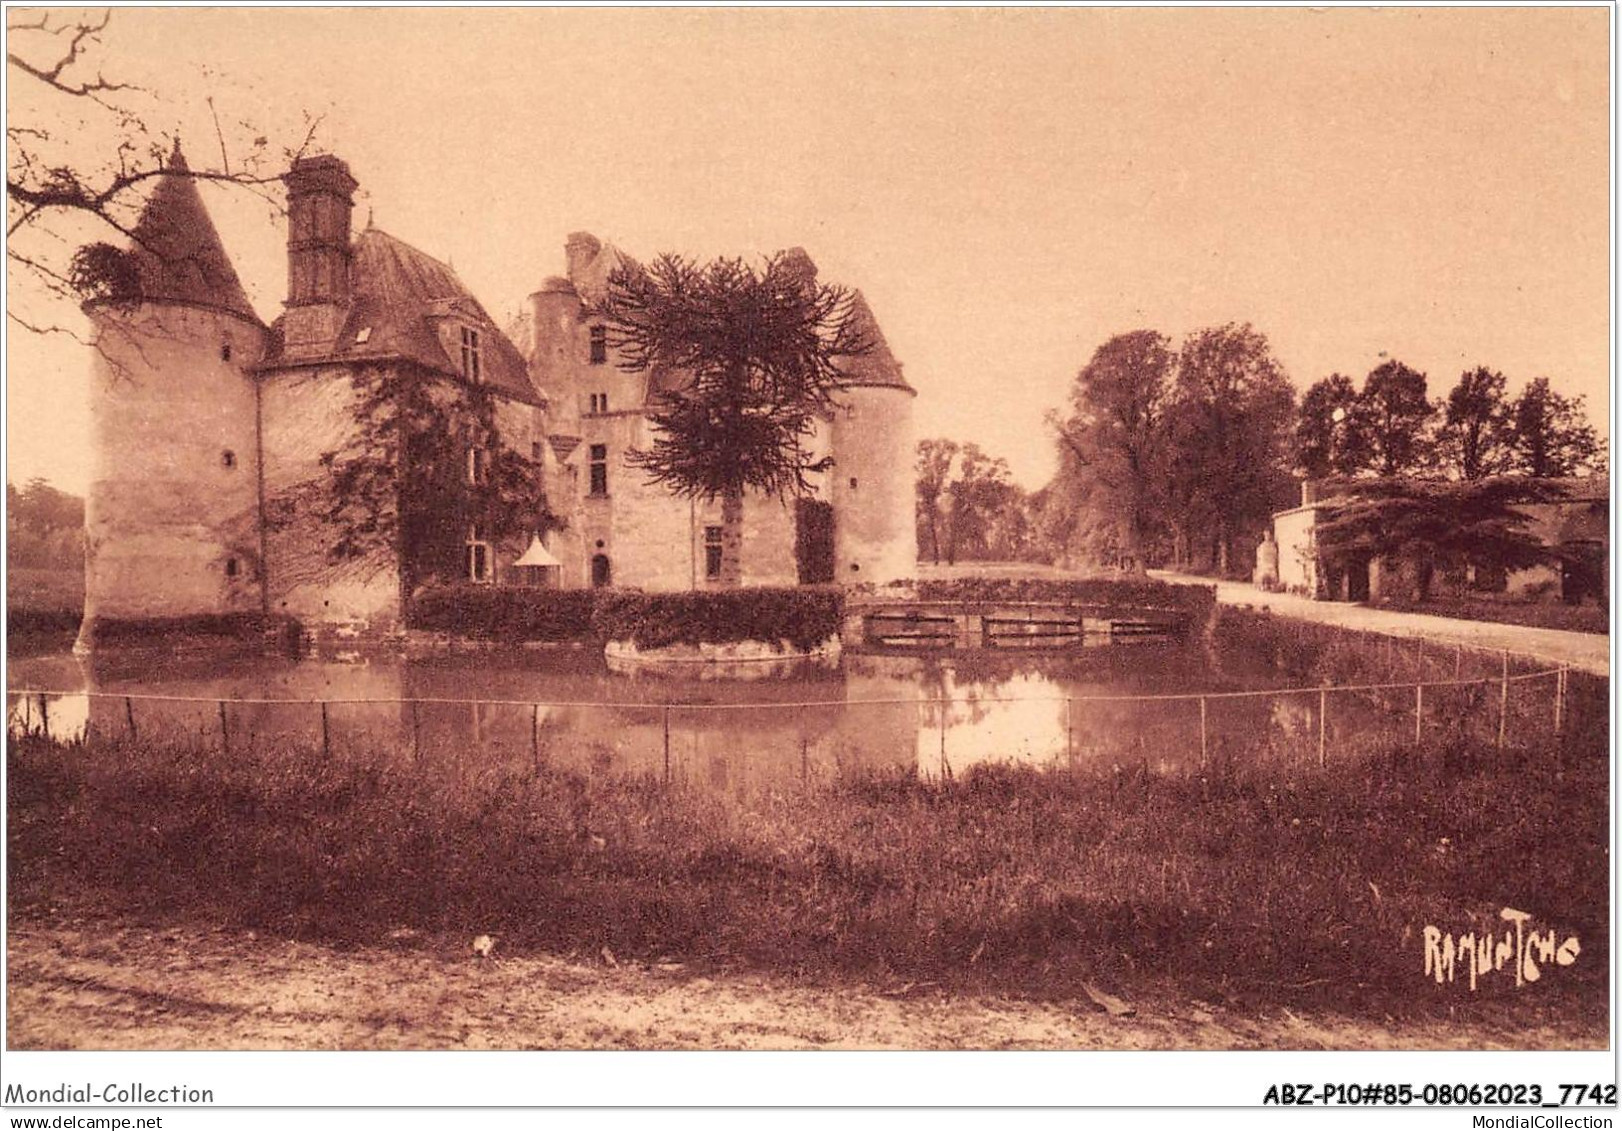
(727,745)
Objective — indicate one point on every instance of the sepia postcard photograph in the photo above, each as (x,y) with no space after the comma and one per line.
(808,529)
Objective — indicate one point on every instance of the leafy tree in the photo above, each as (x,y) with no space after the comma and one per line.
(1433,523)
(968,505)
(1116,434)
(1230,427)
(404,482)
(44,527)
(746,360)
(934,472)
(1330,438)
(1393,413)
(1476,436)
(1552,438)
(82,152)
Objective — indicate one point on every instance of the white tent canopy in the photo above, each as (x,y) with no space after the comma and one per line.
(537,555)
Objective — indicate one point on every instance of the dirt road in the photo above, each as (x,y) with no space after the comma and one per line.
(90,984)
(1581,650)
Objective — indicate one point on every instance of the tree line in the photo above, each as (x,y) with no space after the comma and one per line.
(1178,455)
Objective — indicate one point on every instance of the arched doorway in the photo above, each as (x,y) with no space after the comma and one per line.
(601,571)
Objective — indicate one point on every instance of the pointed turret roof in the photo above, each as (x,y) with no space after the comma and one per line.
(878,365)
(177,250)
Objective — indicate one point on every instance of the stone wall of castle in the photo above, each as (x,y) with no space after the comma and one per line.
(171,510)
(306,413)
(871,486)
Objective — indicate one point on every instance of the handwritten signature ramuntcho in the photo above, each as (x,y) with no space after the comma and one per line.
(1484,954)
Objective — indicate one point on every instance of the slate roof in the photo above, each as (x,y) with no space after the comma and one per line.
(402,296)
(178,251)
(878,366)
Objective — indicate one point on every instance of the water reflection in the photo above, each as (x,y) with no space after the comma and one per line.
(475,712)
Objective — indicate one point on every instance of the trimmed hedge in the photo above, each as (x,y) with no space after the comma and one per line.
(803,615)
(512,614)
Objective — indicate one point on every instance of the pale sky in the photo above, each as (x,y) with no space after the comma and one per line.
(1008,187)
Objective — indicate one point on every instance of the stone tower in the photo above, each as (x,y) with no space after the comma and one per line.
(172,512)
(875,523)
(320,199)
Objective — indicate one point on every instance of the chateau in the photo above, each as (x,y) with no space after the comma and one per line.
(212,480)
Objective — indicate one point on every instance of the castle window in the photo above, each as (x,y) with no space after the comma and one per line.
(228,458)
(478,466)
(535,450)
(712,551)
(230,567)
(599,402)
(599,469)
(853,482)
(602,573)
(599,345)
(472,365)
(478,555)
(225,351)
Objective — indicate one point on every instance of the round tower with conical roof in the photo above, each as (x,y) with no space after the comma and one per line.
(872,442)
(172,523)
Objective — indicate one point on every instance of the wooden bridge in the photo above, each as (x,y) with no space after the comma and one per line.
(1006,626)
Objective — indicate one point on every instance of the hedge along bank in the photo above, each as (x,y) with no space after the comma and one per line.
(782,621)
(738,632)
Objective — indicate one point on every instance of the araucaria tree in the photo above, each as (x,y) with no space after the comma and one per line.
(745,360)
(1115,434)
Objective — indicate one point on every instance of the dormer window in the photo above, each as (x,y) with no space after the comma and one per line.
(472,363)
(364,335)
(599,345)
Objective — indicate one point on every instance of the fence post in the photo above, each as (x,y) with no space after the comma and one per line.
(1323,728)
(1559,698)
(535,734)
(326,735)
(225,732)
(44,716)
(804,759)
(1202,733)
(416,733)
(943,737)
(667,742)
(1458,660)
(1069,743)
(1419,710)
(129,714)
(1503,701)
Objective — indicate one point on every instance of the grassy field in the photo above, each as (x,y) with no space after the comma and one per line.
(1313,891)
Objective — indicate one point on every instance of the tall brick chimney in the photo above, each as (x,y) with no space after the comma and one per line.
(320,198)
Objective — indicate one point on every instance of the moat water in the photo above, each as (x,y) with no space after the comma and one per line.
(1105,708)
